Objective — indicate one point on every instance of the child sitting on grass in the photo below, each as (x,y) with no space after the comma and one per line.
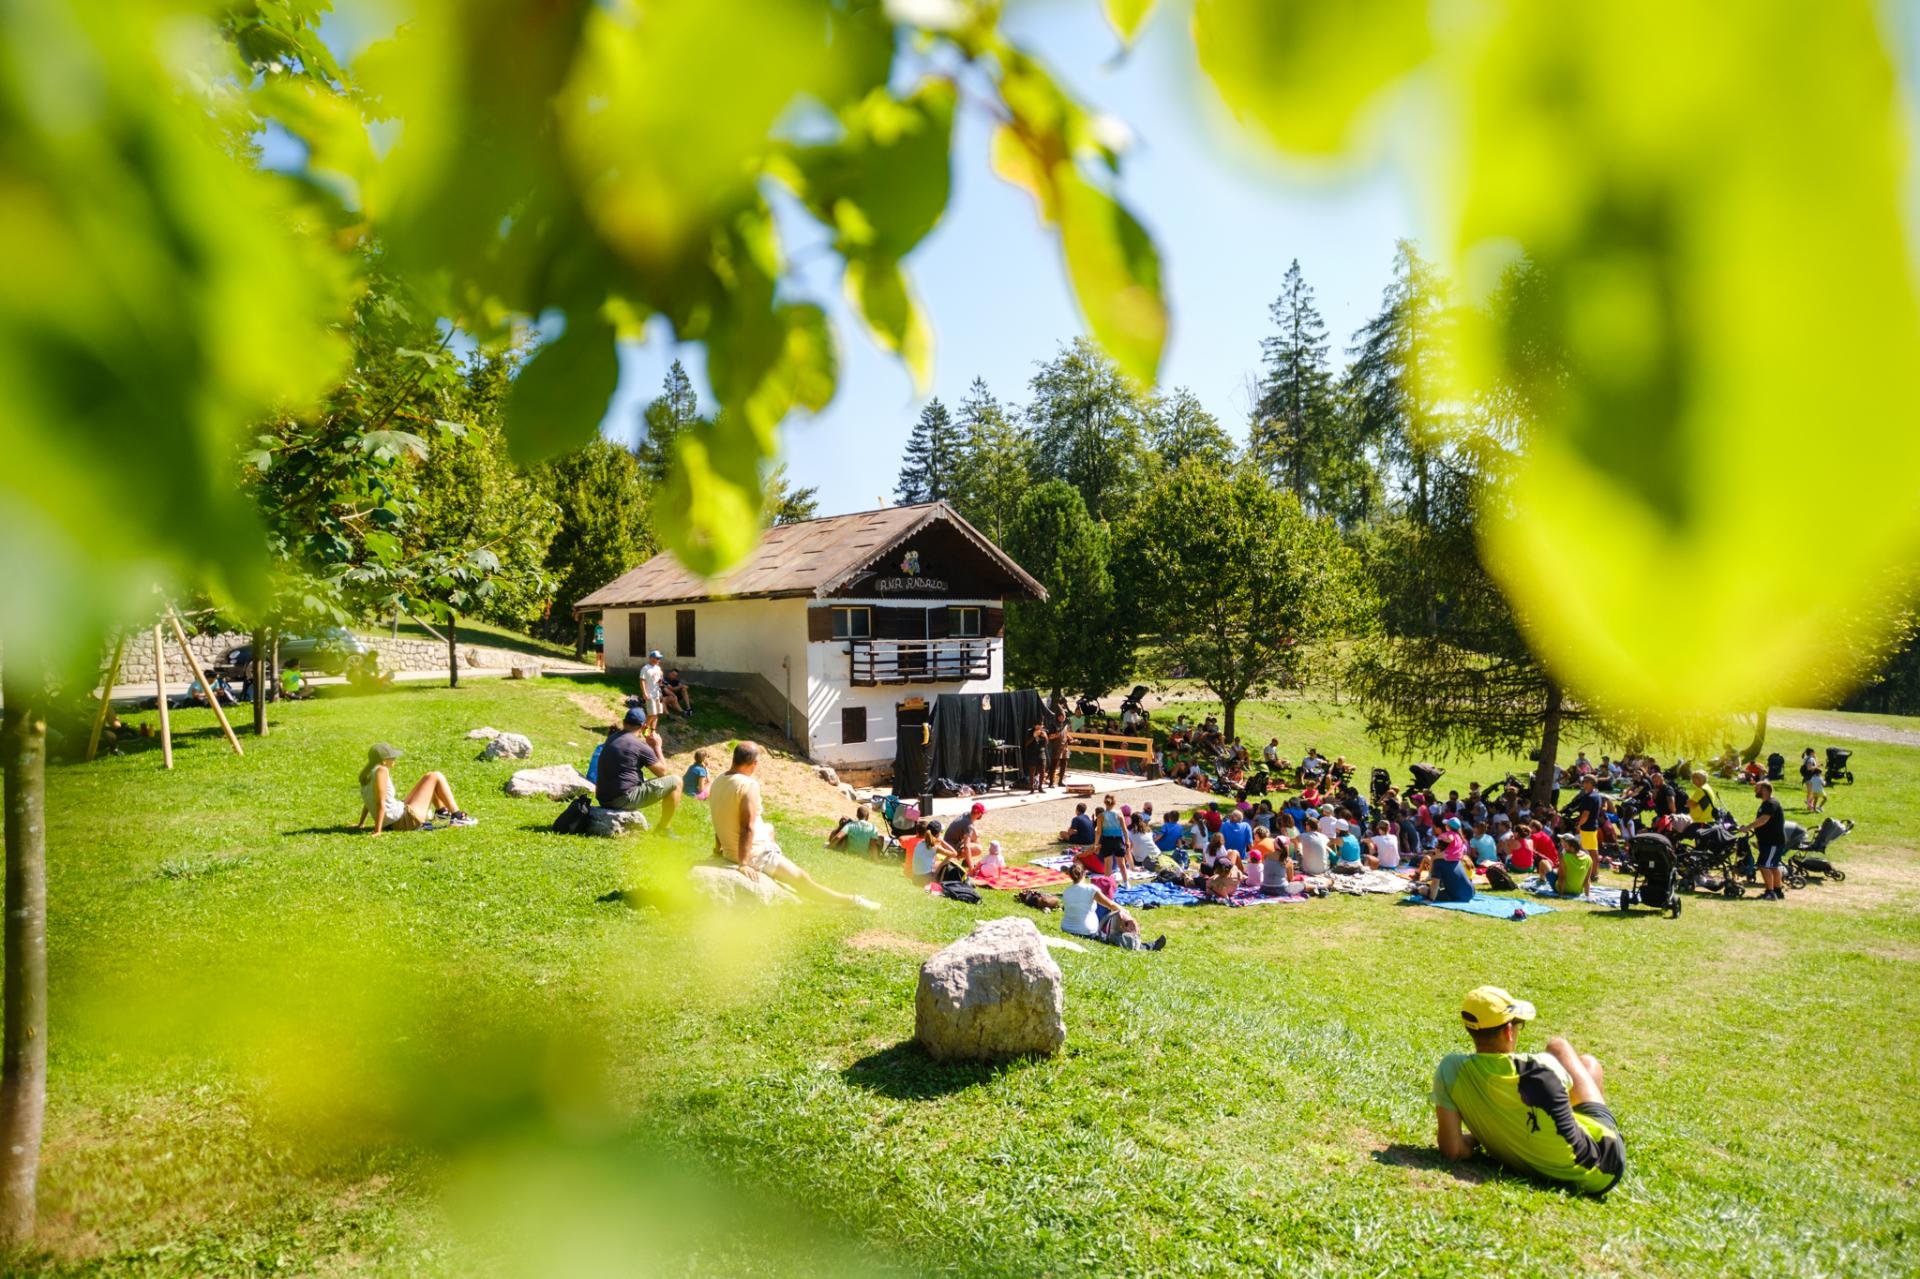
(695,781)
(992,864)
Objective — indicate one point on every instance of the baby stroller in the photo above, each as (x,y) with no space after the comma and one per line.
(1381,784)
(1837,770)
(1136,701)
(1711,852)
(1805,859)
(1425,775)
(1656,877)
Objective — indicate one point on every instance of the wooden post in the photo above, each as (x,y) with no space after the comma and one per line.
(193,665)
(160,685)
(106,696)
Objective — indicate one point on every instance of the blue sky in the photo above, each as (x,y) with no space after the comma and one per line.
(1227,221)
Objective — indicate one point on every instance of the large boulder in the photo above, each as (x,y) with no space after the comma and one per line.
(609,822)
(556,781)
(507,746)
(827,775)
(995,993)
(726,886)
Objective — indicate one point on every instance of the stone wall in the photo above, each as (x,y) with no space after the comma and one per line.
(136,663)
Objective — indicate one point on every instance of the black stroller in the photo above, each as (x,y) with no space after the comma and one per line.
(1136,701)
(1708,858)
(1425,775)
(1382,783)
(1656,875)
(1837,770)
(1804,859)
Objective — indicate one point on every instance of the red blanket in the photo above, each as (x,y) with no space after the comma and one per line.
(1013,878)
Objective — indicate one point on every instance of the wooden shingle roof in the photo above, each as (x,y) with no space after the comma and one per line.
(809,558)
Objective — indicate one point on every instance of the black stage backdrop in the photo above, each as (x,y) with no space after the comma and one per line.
(961,724)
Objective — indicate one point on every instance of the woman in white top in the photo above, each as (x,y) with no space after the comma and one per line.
(1140,839)
(430,795)
(1080,915)
(1386,847)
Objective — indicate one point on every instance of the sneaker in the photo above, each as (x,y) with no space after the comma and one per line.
(461,818)
(1158,943)
(864,903)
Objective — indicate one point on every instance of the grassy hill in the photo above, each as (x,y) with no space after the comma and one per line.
(282,1046)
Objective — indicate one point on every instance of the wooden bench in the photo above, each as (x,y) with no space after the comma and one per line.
(1109,745)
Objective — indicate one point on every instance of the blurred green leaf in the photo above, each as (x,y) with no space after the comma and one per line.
(880,290)
(559,398)
(709,507)
(1305,70)
(1127,16)
(892,168)
(1116,275)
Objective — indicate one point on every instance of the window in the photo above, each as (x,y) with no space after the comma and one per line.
(853,725)
(963,623)
(853,623)
(683,632)
(636,634)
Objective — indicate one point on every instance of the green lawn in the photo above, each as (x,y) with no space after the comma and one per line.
(282,1047)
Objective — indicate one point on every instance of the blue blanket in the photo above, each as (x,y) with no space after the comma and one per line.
(1595,893)
(1148,896)
(1491,907)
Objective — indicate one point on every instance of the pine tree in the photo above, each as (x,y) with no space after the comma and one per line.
(926,470)
(1089,431)
(1295,426)
(996,455)
(672,411)
(785,504)
(1391,384)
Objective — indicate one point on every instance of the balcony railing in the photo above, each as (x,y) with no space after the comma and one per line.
(947,661)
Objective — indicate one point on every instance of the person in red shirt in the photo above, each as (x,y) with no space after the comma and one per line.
(1543,847)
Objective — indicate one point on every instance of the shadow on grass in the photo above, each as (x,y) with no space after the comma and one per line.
(1427,1158)
(905,1073)
(340,828)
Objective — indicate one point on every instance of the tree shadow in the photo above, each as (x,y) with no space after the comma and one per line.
(904,1072)
(341,828)
(1429,1159)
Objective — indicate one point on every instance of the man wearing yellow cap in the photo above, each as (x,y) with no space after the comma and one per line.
(1538,1112)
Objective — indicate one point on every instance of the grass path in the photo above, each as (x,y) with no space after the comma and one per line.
(282,1047)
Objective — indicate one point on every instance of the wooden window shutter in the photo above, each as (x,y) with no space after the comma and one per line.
(939,623)
(819,624)
(853,725)
(636,634)
(683,632)
(993,621)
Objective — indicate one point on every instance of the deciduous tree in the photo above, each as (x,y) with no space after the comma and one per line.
(996,459)
(1076,639)
(1089,430)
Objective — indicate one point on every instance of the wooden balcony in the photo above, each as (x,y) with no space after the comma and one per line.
(944,661)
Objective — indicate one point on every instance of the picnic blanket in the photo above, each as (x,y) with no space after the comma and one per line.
(1490,907)
(1371,881)
(1149,896)
(1054,861)
(1013,878)
(1609,897)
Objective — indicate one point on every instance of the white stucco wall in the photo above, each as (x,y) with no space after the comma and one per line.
(733,637)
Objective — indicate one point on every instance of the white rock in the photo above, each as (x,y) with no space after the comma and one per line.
(828,776)
(507,746)
(848,792)
(609,822)
(726,886)
(556,781)
(1061,943)
(994,993)
(483,734)
(524,670)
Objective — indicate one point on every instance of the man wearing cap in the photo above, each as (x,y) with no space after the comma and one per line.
(960,829)
(632,774)
(653,690)
(1541,1113)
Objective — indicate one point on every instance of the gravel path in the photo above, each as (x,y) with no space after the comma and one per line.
(1836,726)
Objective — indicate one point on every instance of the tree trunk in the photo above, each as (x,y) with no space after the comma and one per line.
(1227,709)
(1759,742)
(260,682)
(580,640)
(453,653)
(273,665)
(1549,749)
(23,998)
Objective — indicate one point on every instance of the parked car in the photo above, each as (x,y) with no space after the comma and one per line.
(335,651)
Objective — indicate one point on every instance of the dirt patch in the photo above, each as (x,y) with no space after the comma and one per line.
(601,709)
(881,939)
(790,781)
(1839,726)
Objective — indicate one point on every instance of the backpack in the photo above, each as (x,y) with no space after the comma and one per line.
(1497,878)
(575,817)
(959,890)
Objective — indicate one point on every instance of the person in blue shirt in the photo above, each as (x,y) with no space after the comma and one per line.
(1237,834)
(1485,849)
(1171,832)
(1346,851)
(1079,831)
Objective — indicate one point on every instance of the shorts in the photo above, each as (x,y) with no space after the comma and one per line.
(1610,1150)
(1113,846)
(650,792)
(769,860)
(654,706)
(1590,841)
(1768,858)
